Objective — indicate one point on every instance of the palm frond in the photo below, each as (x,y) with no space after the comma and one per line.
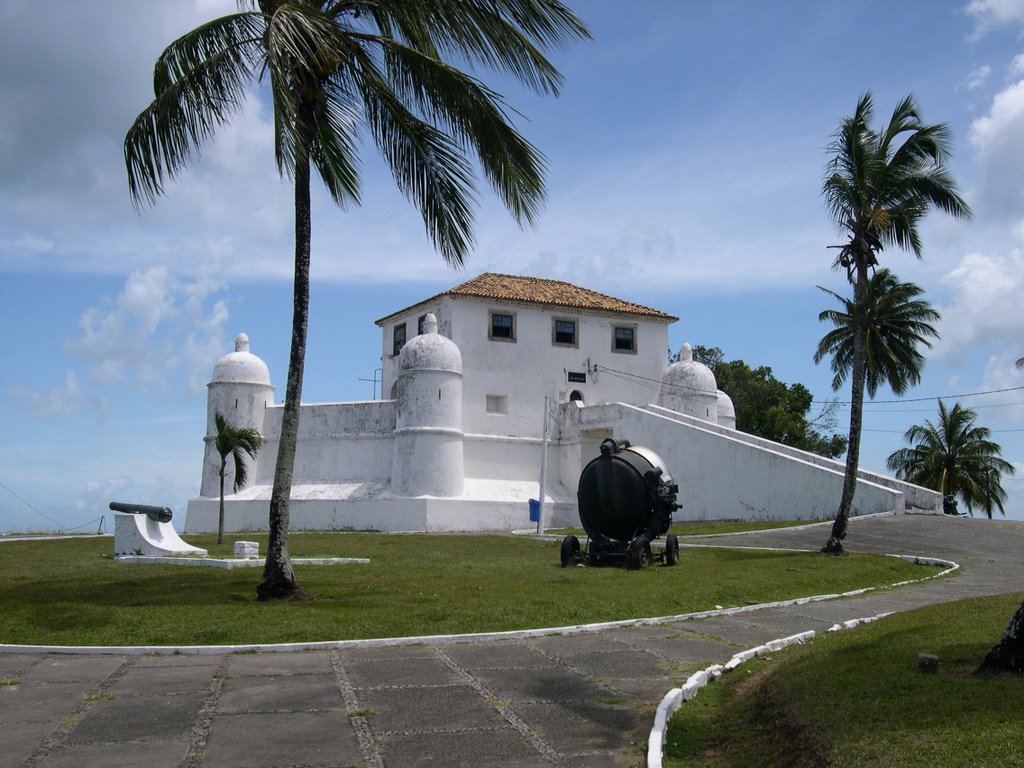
(199,82)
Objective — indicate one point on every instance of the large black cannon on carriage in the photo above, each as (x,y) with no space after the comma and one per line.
(626,498)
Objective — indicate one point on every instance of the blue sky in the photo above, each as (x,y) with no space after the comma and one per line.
(686,155)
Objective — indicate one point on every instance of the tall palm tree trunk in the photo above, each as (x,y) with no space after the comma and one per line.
(858,372)
(220,516)
(278,581)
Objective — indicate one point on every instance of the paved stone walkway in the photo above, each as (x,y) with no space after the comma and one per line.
(583,700)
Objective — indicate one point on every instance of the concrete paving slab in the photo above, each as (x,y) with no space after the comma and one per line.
(427,709)
(21,739)
(180,660)
(151,754)
(89,669)
(512,655)
(48,702)
(138,718)
(280,664)
(624,662)
(501,747)
(282,739)
(377,673)
(582,726)
(568,646)
(679,643)
(539,684)
(293,693)
(11,665)
(140,681)
(649,689)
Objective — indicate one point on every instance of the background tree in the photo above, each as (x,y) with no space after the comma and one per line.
(770,408)
(897,324)
(337,69)
(878,187)
(236,442)
(956,458)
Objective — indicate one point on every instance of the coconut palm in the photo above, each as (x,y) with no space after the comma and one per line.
(897,324)
(956,458)
(337,69)
(878,187)
(236,442)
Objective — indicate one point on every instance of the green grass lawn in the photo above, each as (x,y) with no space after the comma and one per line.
(73,592)
(855,698)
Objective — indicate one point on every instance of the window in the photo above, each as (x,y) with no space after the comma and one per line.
(419,324)
(503,326)
(497,404)
(398,339)
(624,338)
(563,332)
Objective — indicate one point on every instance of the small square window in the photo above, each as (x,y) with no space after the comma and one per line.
(563,332)
(398,339)
(623,338)
(497,404)
(503,326)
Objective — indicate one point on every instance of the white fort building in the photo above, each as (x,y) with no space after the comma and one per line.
(457,444)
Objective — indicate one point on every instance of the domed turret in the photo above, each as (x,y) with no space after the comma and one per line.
(689,387)
(241,366)
(240,391)
(428,419)
(726,411)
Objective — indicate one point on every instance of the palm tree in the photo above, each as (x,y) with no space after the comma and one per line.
(236,442)
(897,323)
(878,187)
(955,458)
(337,69)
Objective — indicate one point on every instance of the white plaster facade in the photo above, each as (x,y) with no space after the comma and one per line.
(457,444)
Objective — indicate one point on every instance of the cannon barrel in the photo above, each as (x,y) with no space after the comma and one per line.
(157,514)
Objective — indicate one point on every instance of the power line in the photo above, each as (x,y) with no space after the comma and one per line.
(41,514)
(932,397)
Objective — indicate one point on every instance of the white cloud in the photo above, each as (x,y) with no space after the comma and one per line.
(992,14)
(985,306)
(158,328)
(978,77)
(60,401)
(997,138)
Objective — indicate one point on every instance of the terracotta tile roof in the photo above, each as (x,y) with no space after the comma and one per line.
(538,290)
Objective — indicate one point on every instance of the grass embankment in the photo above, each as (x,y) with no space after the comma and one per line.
(853,699)
(72,592)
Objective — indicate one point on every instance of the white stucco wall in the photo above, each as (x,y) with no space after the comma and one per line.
(723,477)
(532,367)
(351,441)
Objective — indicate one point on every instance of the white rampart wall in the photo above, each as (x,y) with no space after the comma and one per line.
(914,495)
(723,477)
(337,441)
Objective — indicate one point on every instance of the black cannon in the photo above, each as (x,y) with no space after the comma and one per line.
(157,514)
(626,498)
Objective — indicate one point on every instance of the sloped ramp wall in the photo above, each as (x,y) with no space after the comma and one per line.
(914,495)
(723,477)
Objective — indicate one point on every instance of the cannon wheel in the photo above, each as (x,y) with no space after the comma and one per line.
(638,553)
(570,551)
(671,549)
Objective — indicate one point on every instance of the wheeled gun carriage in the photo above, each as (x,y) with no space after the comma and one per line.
(626,498)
